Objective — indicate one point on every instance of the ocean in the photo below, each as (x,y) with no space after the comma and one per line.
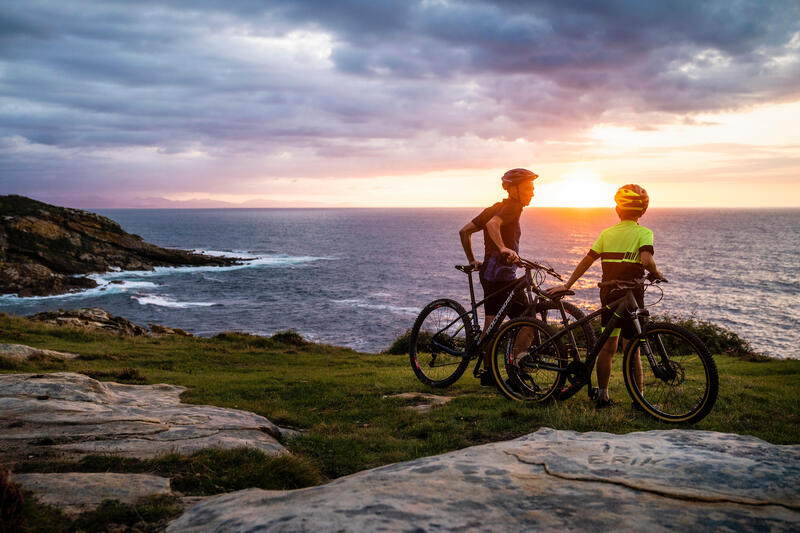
(358,277)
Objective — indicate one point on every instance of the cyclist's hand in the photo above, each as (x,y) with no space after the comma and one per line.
(476,265)
(509,255)
(556,289)
(656,277)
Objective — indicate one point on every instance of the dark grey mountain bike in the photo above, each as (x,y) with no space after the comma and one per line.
(667,369)
(446,337)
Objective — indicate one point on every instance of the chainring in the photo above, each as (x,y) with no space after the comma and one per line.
(577,373)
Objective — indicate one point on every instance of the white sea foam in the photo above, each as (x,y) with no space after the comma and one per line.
(364,304)
(249,262)
(166,301)
(103,288)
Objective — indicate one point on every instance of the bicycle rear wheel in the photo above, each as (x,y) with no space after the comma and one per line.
(548,312)
(440,342)
(526,368)
(683,385)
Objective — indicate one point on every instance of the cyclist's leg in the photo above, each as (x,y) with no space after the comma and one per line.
(491,307)
(605,357)
(604,361)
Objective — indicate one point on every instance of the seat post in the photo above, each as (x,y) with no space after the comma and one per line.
(471,291)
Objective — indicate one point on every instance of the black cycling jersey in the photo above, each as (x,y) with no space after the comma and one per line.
(495,267)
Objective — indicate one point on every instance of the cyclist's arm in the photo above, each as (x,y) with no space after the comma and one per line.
(466,242)
(493,229)
(650,264)
(582,267)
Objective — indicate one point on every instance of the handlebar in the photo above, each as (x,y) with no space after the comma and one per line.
(524,263)
(533,265)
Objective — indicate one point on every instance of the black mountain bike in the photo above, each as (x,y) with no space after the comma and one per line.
(445,337)
(667,369)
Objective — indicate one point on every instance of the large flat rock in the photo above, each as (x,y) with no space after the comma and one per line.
(550,480)
(68,415)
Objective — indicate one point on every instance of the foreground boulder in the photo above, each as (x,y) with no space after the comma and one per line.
(44,248)
(550,480)
(67,416)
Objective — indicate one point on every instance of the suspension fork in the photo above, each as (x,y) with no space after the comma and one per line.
(662,369)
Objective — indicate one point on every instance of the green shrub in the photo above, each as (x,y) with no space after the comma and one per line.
(401,344)
(290,337)
(718,339)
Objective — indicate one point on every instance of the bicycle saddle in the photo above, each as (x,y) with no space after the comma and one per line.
(466,269)
(557,295)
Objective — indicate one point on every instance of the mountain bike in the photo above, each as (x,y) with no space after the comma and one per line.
(445,337)
(667,369)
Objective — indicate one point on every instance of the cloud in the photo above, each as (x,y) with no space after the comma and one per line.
(117,96)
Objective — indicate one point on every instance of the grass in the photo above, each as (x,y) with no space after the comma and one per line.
(337,398)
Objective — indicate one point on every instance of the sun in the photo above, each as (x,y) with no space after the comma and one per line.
(578,188)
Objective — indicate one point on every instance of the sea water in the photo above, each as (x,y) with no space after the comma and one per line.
(358,277)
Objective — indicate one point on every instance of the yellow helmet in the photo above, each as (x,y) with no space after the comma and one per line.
(632,198)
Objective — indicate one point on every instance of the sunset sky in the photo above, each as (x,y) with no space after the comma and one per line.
(399,103)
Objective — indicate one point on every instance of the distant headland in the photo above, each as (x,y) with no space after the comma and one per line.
(47,249)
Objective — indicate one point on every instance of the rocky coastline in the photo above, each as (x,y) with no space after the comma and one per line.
(47,250)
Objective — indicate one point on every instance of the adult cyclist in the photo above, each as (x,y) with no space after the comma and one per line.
(501,234)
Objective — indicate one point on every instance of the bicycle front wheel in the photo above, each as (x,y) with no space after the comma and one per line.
(440,342)
(527,367)
(683,383)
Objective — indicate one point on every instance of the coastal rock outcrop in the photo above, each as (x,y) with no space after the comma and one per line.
(46,249)
(20,352)
(68,415)
(93,319)
(549,480)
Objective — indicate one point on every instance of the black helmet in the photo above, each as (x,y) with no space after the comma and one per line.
(515,176)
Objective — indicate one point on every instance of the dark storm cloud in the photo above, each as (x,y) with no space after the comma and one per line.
(81,79)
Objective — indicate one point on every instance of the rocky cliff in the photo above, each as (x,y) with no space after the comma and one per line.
(46,249)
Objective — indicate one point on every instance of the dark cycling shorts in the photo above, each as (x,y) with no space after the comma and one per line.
(625,327)
(492,306)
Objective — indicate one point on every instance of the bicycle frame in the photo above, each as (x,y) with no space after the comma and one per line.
(625,305)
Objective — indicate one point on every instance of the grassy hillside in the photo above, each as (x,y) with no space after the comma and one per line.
(337,398)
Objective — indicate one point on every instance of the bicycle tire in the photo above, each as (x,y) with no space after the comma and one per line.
(547,311)
(431,340)
(539,375)
(687,391)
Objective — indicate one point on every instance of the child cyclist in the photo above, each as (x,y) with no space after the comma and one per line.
(626,251)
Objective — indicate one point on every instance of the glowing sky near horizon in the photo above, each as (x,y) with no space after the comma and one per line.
(383,103)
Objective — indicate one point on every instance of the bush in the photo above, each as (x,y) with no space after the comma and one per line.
(289,337)
(718,339)
(400,345)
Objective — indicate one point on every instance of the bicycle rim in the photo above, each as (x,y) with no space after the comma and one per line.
(524,368)
(682,387)
(439,343)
